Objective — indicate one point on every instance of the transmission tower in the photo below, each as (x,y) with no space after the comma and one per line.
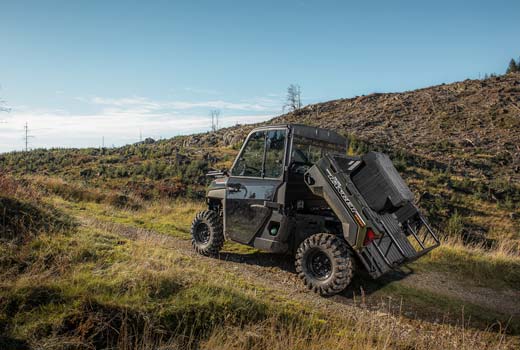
(27,136)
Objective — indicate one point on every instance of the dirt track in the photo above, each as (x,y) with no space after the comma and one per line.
(276,272)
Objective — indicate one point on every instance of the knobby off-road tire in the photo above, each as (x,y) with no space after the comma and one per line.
(324,263)
(207,235)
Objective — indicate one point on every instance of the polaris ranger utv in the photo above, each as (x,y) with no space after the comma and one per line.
(292,189)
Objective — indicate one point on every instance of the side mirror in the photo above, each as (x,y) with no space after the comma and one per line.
(234,187)
(218,173)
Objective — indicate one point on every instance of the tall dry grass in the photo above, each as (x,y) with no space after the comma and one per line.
(373,331)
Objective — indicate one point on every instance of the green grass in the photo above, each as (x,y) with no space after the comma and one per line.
(493,268)
(94,274)
(171,218)
(427,304)
(92,286)
(96,288)
(496,268)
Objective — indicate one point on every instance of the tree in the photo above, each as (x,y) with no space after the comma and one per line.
(513,67)
(293,101)
(215,114)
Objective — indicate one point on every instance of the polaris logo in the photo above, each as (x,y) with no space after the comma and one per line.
(337,185)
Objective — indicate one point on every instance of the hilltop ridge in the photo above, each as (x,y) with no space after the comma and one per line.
(472,126)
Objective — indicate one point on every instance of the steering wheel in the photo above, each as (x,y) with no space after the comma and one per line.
(299,167)
(250,169)
(298,154)
(243,169)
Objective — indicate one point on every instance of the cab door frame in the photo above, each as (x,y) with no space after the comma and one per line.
(250,200)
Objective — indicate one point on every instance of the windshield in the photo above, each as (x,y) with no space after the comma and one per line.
(262,156)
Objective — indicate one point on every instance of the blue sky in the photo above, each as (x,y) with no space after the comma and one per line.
(80,70)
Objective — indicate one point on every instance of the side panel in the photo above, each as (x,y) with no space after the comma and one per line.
(245,213)
(320,186)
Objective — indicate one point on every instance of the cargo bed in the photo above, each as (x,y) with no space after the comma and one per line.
(379,218)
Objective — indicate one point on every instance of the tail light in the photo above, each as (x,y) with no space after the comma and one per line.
(370,236)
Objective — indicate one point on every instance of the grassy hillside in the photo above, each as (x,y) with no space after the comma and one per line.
(88,274)
(456,145)
(94,248)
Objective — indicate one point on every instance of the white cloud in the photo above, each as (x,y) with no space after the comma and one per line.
(120,120)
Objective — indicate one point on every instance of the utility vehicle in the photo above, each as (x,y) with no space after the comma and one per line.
(293,189)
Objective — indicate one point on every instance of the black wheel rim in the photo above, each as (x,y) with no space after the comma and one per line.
(319,264)
(201,233)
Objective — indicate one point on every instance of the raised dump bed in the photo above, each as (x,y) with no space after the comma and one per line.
(370,192)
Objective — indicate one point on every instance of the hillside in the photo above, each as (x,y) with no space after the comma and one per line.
(456,144)
(473,126)
(86,274)
(95,252)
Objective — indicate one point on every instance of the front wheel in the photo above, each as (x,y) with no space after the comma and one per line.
(324,264)
(207,235)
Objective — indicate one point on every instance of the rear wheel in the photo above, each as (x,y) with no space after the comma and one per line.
(207,236)
(324,264)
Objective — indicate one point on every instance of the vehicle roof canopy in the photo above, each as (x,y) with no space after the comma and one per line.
(311,133)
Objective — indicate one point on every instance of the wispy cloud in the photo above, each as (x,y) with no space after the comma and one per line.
(201,91)
(119,121)
(265,104)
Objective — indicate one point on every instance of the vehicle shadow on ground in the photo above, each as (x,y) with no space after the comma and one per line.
(284,262)
(362,291)
(362,284)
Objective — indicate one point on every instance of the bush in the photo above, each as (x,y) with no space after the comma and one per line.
(18,219)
